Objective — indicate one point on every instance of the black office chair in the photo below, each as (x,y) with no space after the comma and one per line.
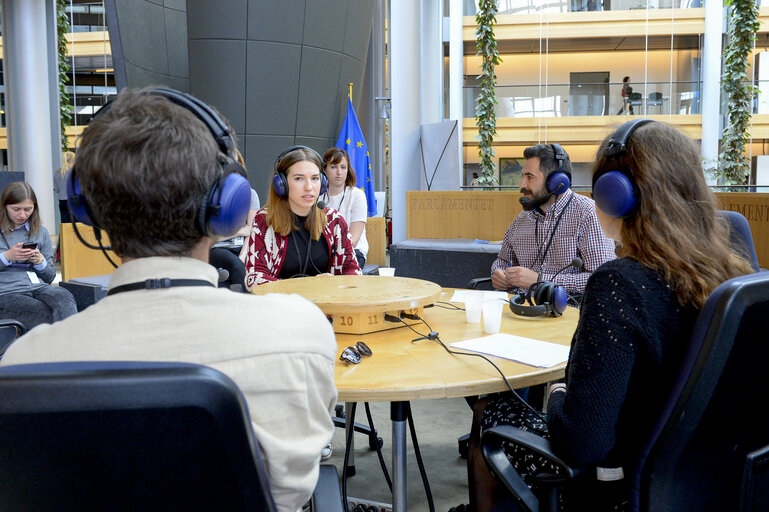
(9,331)
(129,436)
(741,238)
(709,449)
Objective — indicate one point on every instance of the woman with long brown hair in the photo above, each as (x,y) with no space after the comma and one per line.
(350,201)
(294,235)
(637,312)
(26,263)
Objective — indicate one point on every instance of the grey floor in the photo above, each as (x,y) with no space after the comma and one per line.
(438,425)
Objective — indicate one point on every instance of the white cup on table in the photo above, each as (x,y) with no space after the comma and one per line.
(492,315)
(387,271)
(473,305)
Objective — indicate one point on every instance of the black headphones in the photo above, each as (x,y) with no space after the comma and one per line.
(544,299)
(560,179)
(224,207)
(279,180)
(614,190)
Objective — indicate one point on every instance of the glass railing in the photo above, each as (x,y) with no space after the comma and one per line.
(586,99)
(550,6)
(85,104)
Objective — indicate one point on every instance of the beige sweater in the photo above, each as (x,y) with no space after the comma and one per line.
(279,349)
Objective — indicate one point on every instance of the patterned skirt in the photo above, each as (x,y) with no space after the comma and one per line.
(506,409)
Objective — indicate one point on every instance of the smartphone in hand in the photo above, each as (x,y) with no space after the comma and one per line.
(29,245)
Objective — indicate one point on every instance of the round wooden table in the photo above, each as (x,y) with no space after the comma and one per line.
(357,294)
(361,304)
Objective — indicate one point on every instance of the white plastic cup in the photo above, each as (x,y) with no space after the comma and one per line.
(387,271)
(473,304)
(492,315)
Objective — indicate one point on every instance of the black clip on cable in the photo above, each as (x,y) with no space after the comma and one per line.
(432,335)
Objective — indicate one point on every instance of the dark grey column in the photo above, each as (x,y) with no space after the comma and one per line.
(278,70)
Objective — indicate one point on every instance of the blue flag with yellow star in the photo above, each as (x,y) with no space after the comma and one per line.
(351,140)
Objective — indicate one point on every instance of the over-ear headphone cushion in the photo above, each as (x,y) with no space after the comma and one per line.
(225,207)
(78,205)
(558,177)
(279,184)
(554,295)
(614,194)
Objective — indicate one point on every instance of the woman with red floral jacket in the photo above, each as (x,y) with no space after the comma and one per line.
(293,236)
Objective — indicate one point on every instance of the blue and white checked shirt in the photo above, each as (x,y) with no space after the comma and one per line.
(578,235)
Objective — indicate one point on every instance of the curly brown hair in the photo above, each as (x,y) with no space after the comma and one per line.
(675,229)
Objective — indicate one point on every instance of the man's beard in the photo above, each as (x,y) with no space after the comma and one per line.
(536,200)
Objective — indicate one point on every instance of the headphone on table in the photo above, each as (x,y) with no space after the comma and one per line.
(279,180)
(224,207)
(544,299)
(614,190)
(559,179)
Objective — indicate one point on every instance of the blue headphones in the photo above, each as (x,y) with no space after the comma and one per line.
(559,180)
(224,207)
(279,181)
(544,299)
(614,190)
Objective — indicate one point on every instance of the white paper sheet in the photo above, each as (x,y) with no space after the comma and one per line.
(459,295)
(538,353)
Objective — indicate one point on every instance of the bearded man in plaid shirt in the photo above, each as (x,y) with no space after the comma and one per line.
(553,229)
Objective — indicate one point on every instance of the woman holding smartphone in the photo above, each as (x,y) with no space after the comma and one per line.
(26,263)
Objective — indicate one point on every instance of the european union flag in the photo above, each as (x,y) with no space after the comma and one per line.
(351,140)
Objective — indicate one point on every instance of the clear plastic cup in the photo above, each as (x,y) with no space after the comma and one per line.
(492,315)
(473,305)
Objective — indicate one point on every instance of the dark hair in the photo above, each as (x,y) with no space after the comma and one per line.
(14,193)
(335,156)
(279,214)
(546,155)
(145,166)
(675,229)
(626,79)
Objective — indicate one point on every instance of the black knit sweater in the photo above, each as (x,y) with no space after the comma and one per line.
(625,354)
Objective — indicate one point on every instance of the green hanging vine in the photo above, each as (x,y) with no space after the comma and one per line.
(65,105)
(734,166)
(485,115)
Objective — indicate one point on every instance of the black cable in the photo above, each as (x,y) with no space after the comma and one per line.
(378,449)
(348,446)
(418,455)
(97,235)
(448,305)
(453,352)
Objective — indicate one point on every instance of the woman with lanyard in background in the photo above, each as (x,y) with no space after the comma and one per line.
(350,201)
(26,263)
(295,235)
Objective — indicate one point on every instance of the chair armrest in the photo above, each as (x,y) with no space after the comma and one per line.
(491,446)
(327,497)
(473,283)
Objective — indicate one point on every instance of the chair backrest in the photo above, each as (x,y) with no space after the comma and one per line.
(655,96)
(741,236)
(635,96)
(9,331)
(712,431)
(124,437)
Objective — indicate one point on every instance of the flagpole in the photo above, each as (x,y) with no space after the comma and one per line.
(350,85)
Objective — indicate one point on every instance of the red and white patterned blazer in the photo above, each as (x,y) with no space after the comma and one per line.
(267,249)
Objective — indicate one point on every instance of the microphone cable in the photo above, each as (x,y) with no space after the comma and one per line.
(435,336)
